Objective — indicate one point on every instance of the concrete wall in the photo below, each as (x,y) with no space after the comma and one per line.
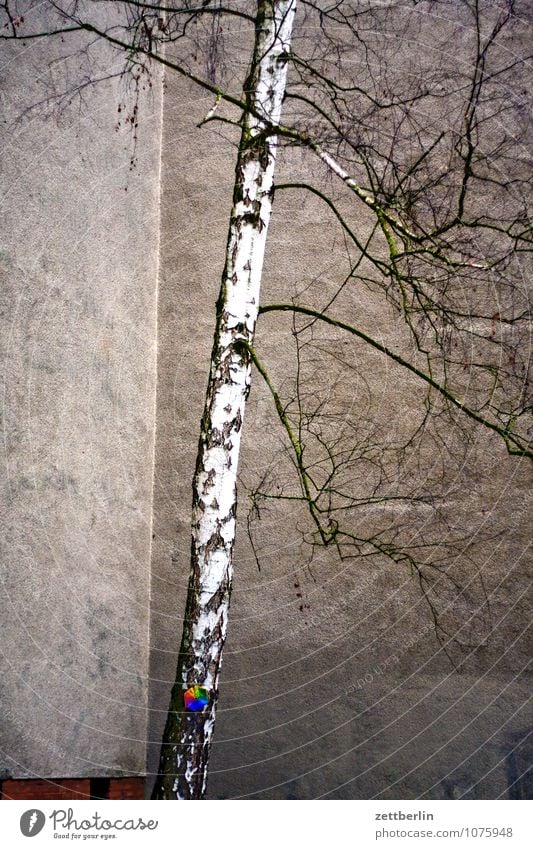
(333,681)
(78,265)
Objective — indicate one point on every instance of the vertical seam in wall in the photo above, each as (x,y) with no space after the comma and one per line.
(154,441)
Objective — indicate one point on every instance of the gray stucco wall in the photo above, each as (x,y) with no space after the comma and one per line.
(353,696)
(78,254)
(333,682)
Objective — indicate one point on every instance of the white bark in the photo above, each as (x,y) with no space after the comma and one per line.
(188,735)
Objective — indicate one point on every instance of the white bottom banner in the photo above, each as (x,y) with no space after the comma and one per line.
(258,824)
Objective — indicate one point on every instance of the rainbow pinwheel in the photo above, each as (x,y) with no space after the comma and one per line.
(196,698)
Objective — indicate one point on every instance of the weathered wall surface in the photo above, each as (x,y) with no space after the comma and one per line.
(78,264)
(333,681)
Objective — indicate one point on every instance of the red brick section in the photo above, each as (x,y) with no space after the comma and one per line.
(70,788)
(40,788)
(126,788)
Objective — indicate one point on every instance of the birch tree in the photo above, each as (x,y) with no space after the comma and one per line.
(426,218)
(187,735)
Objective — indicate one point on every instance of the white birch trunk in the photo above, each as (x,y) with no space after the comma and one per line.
(187,738)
